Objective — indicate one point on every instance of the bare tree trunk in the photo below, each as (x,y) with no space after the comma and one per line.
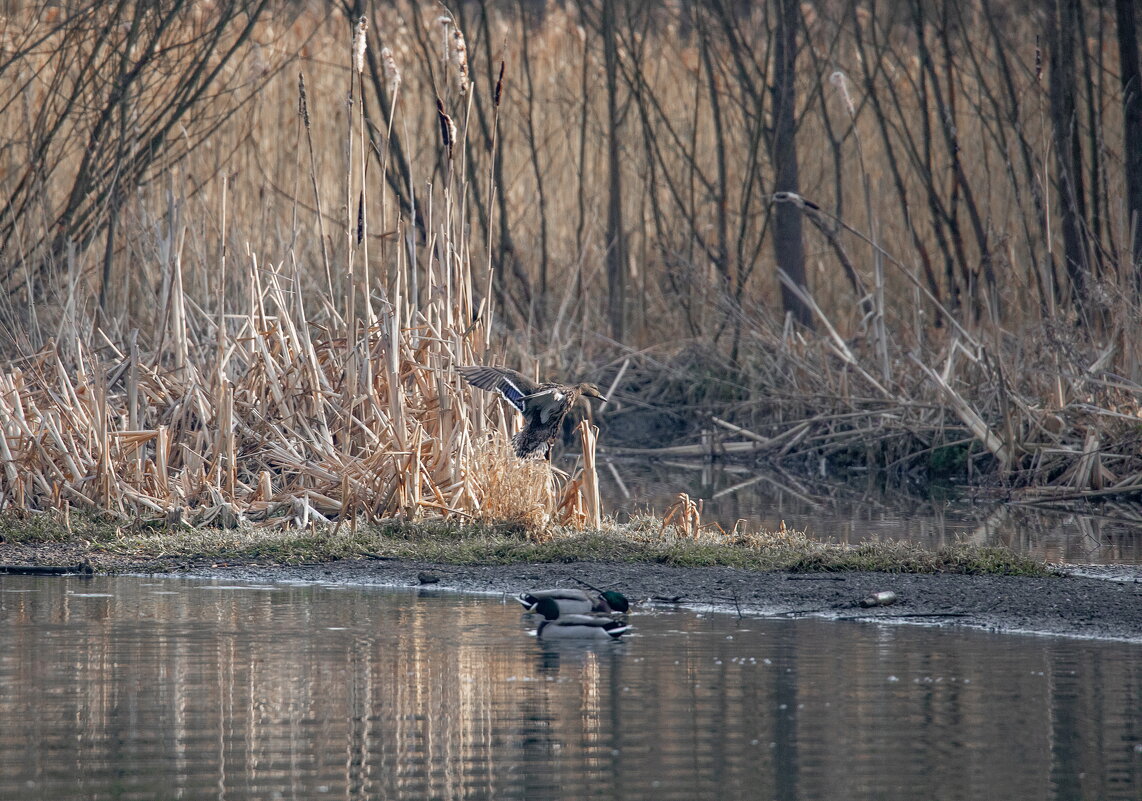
(539,312)
(1131,76)
(1063,87)
(788,247)
(616,239)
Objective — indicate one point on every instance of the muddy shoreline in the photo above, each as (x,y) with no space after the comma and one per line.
(1103,602)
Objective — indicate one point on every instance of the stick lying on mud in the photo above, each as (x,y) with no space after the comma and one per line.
(83,568)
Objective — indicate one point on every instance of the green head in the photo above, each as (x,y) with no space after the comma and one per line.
(616,600)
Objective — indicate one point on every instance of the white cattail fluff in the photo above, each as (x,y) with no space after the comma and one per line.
(839,80)
(458,55)
(392,72)
(359,45)
(445,23)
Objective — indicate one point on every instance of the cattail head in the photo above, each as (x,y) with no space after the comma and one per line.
(458,55)
(499,86)
(360,216)
(455,53)
(392,72)
(447,127)
(359,45)
(839,80)
(302,106)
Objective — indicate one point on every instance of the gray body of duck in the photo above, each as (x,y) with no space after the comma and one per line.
(578,602)
(578,627)
(543,406)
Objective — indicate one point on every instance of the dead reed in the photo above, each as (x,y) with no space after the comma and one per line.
(1040,418)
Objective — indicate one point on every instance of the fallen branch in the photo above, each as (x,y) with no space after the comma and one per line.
(968,415)
(83,568)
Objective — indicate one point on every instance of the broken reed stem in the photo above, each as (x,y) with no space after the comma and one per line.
(220,365)
(493,155)
(362,232)
(970,418)
(352,248)
(392,78)
(303,110)
(880,331)
(588,436)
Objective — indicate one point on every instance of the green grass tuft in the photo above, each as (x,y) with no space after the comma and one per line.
(114,547)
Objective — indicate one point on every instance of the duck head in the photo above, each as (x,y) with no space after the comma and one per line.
(591,391)
(616,600)
(547,607)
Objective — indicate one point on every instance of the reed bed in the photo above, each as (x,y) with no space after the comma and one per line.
(274,421)
(256,398)
(1038,418)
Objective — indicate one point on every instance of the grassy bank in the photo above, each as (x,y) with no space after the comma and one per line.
(115,548)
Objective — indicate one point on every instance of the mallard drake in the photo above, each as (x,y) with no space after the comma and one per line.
(577,602)
(559,626)
(543,406)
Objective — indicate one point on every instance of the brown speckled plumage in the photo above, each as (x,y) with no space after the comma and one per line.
(543,406)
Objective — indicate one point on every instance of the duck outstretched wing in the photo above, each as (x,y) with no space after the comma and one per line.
(511,385)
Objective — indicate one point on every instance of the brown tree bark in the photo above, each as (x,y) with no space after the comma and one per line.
(1131,76)
(1063,89)
(788,245)
(616,238)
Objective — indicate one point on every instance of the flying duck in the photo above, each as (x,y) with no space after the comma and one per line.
(543,406)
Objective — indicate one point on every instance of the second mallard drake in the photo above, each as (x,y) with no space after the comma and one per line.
(543,406)
(559,626)
(577,602)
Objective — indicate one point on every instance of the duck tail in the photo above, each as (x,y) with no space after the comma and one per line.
(527,448)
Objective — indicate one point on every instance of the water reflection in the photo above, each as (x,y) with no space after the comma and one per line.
(129,688)
(855,511)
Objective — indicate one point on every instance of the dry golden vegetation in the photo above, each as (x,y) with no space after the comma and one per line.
(283,393)
(243,249)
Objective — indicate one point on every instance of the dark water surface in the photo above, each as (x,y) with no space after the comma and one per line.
(857,510)
(136,688)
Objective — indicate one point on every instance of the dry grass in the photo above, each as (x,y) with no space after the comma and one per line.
(511,490)
(1042,414)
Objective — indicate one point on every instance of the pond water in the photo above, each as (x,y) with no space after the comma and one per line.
(857,510)
(137,688)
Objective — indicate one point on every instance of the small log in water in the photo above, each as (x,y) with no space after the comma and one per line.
(83,568)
